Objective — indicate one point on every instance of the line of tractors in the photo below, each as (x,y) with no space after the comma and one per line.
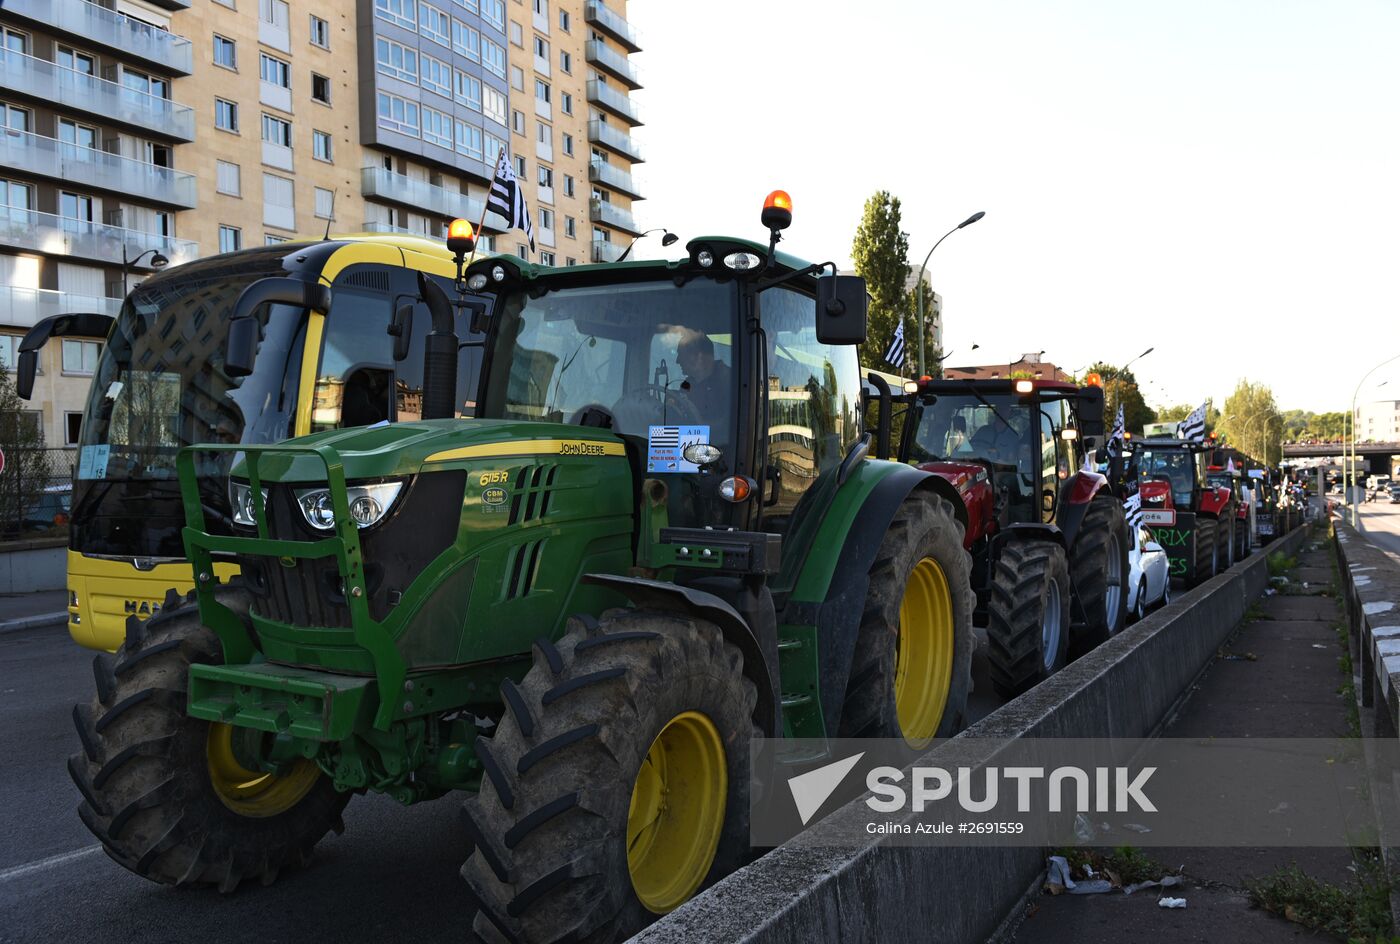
(379,514)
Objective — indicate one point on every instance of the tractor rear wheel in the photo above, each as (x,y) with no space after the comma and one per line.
(1099,566)
(616,784)
(912,665)
(167,794)
(1027,615)
(1207,551)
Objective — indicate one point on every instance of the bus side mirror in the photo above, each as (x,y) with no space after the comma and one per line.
(243,328)
(27,367)
(242,347)
(842,309)
(401,330)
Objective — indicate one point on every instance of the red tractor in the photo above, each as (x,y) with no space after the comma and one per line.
(1222,477)
(1192,519)
(1048,539)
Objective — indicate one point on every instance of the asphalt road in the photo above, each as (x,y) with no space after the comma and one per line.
(391,876)
(1380,520)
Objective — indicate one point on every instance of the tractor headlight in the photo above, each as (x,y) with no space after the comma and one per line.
(368,504)
(240,496)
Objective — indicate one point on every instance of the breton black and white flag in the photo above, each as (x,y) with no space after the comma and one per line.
(894,354)
(507,199)
(1115,438)
(1193,428)
(1132,510)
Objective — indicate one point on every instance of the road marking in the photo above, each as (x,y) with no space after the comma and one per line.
(19,871)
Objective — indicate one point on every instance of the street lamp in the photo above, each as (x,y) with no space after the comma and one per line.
(919,282)
(1352,414)
(1130,363)
(158,261)
(666,240)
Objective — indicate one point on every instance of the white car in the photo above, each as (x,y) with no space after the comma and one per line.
(1148,582)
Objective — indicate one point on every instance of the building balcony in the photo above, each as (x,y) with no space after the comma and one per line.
(613,64)
(612,24)
(609,215)
(107,101)
(423,197)
(606,252)
(98,170)
(81,239)
(611,100)
(26,307)
(100,26)
(619,142)
(172,5)
(613,178)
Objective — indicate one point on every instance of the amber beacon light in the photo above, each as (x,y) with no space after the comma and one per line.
(777,210)
(460,237)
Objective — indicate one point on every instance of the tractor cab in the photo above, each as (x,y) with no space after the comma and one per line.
(1191,516)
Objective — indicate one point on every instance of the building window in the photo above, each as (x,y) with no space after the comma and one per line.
(435,24)
(542,48)
(542,8)
(494,148)
(225,52)
(517,35)
(321,147)
(271,240)
(275,13)
(276,131)
(569,144)
(80,357)
(566,61)
(570,261)
(542,90)
(401,12)
(568,185)
(545,135)
(77,61)
(396,60)
(517,79)
(493,57)
(546,218)
(494,12)
(522,250)
(320,32)
(226,115)
(546,176)
(566,103)
(230,238)
(570,227)
(230,180)
(72,427)
(468,5)
(564,23)
(279,207)
(325,203)
(546,258)
(469,141)
(437,127)
(519,167)
(75,206)
(493,104)
(398,114)
(276,72)
(468,91)
(517,122)
(437,75)
(466,41)
(320,89)
(16,119)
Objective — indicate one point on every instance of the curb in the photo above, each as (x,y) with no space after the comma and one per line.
(33,622)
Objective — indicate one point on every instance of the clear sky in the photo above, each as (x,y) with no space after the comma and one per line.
(1219,179)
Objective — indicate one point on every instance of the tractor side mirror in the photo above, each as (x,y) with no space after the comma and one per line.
(842,309)
(401,330)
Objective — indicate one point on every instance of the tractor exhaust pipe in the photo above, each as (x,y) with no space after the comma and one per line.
(439,354)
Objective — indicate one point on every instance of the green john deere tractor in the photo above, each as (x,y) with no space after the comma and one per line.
(658,538)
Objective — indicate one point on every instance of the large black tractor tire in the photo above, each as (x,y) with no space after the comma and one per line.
(1242,539)
(1207,551)
(1027,616)
(1099,569)
(912,666)
(158,789)
(574,835)
(1227,542)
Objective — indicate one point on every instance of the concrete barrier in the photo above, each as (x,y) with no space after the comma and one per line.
(805,891)
(1371,589)
(27,566)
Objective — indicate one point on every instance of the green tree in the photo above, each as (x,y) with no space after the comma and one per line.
(881,254)
(1120,386)
(28,469)
(1252,422)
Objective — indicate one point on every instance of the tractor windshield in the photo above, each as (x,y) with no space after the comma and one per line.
(999,431)
(1177,466)
(650,360)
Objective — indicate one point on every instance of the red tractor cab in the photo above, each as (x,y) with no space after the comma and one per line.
(1221,477)
(1048,538)
(1192,519)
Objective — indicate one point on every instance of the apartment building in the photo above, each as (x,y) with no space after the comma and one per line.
(141,133)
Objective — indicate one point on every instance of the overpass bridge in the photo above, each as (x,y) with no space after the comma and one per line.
(1376,457)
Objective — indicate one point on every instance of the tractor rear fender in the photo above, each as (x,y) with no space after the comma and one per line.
(1028,531)
(759,665)
(1075,499)
(831,588)
(1214,501)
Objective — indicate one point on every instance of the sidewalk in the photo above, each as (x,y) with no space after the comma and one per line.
(1278,676)
(31,610)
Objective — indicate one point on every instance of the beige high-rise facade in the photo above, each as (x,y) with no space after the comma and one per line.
(155,130)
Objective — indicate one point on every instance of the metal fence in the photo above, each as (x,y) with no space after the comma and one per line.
(36,493)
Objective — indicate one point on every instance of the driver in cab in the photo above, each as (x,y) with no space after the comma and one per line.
(709,383)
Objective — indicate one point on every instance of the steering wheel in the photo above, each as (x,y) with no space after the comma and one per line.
(643,407)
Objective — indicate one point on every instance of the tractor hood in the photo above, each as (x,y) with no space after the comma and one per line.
(400,449)
(960,475)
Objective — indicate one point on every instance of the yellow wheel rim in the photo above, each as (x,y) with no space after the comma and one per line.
(250,792)
(677,812)
(924,655)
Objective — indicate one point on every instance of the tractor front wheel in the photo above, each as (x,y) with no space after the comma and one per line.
(616,784)
(1027,616)
(912,665)
(1207,551)
(1099,565)
(169,796)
